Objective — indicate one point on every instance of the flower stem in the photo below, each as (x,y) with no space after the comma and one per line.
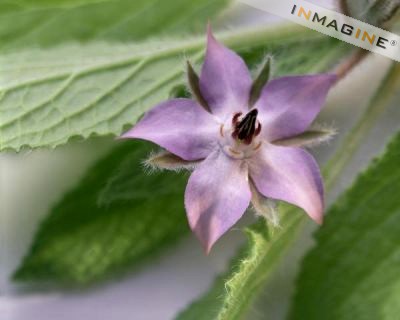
(343,69)
(354,138)
(344,7)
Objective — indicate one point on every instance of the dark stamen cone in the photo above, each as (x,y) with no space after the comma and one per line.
(245,130)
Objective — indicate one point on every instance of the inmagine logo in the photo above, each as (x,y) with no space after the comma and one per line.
(344,28)
(333,24)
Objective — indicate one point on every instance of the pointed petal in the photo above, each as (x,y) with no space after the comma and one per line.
(181,126)
(289,174)
(225,81)
(288,105)
(216,196)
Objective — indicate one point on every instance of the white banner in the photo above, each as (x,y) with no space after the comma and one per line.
(333,24)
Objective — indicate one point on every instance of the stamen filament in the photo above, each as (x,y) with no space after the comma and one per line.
(258,146)
(221,130)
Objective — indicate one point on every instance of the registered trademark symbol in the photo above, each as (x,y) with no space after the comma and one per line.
(393,43)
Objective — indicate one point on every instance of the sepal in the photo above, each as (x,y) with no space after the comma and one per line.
(264,74)
(263,206)
(309,138)
(164,160)
(193,80)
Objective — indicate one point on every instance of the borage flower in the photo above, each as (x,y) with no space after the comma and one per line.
(242,138)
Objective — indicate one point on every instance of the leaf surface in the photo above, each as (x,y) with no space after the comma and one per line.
(117,216)
(352,272)
(49,96)
(46,23)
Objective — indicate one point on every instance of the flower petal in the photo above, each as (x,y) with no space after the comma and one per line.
(287,106)
(216,196)
(289,174)
(181,126)
(225,81)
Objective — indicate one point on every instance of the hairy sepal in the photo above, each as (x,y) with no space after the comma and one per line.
(310,138)
(164,160)
(264,207)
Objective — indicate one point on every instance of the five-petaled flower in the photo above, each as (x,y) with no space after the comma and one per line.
(245,143)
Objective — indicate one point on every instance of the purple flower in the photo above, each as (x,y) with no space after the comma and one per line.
(242,138)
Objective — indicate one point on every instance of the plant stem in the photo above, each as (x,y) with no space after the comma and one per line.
(344,7)
(349,64)
(353,140)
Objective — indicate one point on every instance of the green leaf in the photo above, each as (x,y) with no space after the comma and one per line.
(375,12)
(47,97)
(353,271)
(47,22)
(117,216)
(51,85)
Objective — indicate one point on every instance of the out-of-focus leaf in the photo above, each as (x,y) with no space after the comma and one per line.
(375,12)
(47,23)
(112,188)
(117,216)
(353,271)
(58,86)
(47,97)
